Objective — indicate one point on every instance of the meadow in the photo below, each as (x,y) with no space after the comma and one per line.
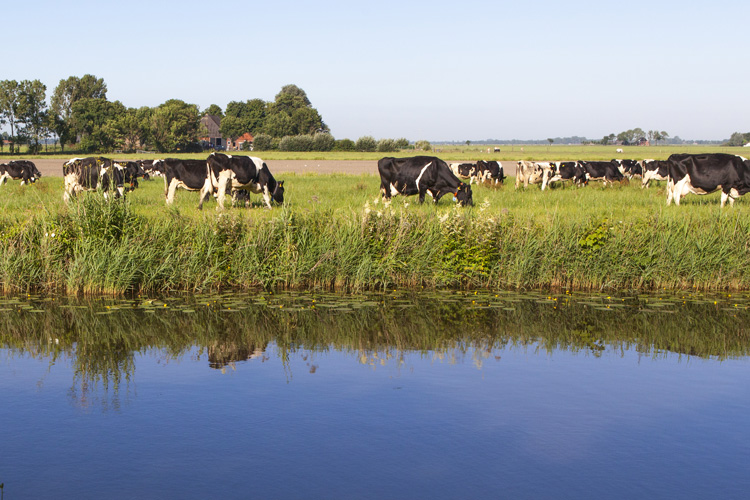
(334,233)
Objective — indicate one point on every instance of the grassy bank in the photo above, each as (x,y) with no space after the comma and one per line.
(332,235)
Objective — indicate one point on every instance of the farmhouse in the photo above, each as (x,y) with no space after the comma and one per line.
(238,143)
(213,137)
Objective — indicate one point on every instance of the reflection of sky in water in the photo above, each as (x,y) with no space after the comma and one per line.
(337,424)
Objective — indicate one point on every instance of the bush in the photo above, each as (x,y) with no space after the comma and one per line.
(386,146)
(296,143)
(345,145)
(366,143)
(323,141)
(263,142)
(402,143)
(423,145)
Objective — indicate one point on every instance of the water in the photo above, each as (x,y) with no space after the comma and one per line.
(438,396)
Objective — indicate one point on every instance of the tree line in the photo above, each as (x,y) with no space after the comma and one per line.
(80,115)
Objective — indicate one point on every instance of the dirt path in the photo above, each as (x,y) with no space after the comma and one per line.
(53,167)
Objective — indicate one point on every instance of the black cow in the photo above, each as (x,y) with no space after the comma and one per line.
(605,171)
(421,175)
(23,170)
(654,170)
(706,173)
(133,170)
(490,171)
(92,174)
(191,175)
(565,171)
(243,173)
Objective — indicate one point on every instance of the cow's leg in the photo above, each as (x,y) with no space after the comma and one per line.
(224,180)
(206,191)
(171,191)
(267,196)
(4,178)
(670,191)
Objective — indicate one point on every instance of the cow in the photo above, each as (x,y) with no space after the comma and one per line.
(490,171)
(92,174)
(465,171)
(191,175)
(150,169)
(629,168)
(132,170)
(605,171)
(706,173)
(421,175)
(528,172)
(562,171)
(654,170)
(243,173)
(23,170)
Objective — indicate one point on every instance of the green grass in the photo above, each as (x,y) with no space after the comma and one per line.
(333,234)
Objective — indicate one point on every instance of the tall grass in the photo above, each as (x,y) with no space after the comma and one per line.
(332,234)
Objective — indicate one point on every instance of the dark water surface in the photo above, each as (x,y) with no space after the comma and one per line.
(307,395)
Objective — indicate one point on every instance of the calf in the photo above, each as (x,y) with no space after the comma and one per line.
(605,171)
(528,172)
(93,174)
(421,175)
(490,171)
(465,171)
(654,170)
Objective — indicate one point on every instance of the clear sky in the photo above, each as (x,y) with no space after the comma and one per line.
(435,70)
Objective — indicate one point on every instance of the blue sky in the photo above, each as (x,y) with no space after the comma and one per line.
(421,70)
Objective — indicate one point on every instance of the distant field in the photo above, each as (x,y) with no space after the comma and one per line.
(450,153)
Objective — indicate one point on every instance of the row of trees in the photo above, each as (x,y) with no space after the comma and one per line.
(633,135)
(323,141)
(80,113)
(738,139)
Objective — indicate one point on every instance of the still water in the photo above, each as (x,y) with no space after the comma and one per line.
(450,395)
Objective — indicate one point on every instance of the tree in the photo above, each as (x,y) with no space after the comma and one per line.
(247,117)
(402,143)
(93,120)
(292,114)
(213,110)
(366,143)
(738,139)
(232,127)
(468,143)
(423,145)
(174,125)
(67,93)
(32,112)
(9,103)
(131,128)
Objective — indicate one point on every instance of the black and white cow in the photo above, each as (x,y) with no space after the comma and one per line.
(490,171)
(605,171)
(421,175)
(151,170)
(192,175)
(243,173)
(132,170)
(629,168)
(23,170)
(561,171)
(706,173)
(465,171)
(528,172)
(654,170)
(92,174)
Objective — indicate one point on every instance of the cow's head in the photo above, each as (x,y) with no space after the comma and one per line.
(463,195)
(278,193)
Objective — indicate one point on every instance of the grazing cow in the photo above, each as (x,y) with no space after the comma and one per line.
(565,171)
(490,171)
(23,170)
(133,170)
(191,175)
(421,175)
(654,170)
(618,150)
(92,174)
(243,173)
(465,171)
(629,168)
(605,171)
(528,172)
(706,173)
(150,169)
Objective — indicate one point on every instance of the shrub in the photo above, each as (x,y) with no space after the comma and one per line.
(386,145)
(345,145)
(296,143)
(423,145)
(263,142)
(323,141)
(402,143)
(366,143)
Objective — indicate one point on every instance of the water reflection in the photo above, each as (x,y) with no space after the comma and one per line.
(101,337)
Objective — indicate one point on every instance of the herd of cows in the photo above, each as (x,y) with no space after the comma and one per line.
(222,174)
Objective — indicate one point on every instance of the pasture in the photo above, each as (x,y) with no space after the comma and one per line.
(332,234)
